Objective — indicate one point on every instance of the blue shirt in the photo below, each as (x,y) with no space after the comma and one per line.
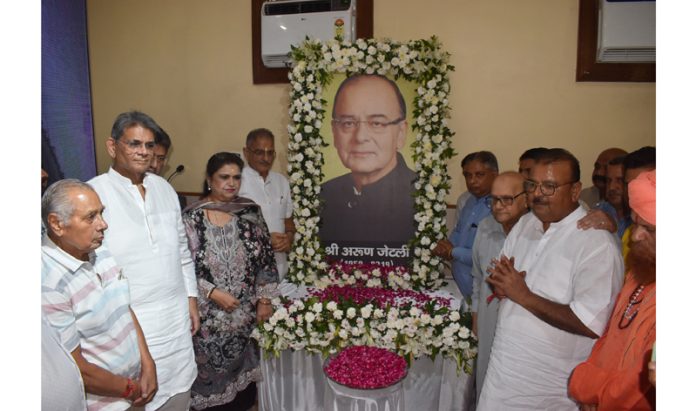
(462,238)
(621,224)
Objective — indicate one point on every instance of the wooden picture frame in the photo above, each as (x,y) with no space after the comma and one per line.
(588,68)
(364,21)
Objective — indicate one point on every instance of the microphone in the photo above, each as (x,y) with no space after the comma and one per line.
(179,169)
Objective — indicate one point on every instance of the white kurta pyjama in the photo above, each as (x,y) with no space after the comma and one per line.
(531,360)
(147,239)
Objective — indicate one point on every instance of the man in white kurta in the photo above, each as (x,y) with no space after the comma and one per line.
(508,203)
(147,239)
(271,191)
(560,283)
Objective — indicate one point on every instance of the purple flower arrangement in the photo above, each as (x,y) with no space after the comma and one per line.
(365,367)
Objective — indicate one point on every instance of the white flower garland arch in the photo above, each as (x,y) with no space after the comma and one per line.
(420,61)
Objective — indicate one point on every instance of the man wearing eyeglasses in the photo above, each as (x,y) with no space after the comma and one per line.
(373,204)
(560,284)
(508,202)
(271,191)
(147,239)
(615,375)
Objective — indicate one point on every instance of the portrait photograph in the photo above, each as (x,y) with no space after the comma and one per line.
(367,210)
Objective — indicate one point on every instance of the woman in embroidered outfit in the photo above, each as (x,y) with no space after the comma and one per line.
(615,376)
(237,277)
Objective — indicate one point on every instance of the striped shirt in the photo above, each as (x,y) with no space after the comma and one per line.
(87,302)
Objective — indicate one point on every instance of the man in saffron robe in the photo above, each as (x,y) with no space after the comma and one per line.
(615,376)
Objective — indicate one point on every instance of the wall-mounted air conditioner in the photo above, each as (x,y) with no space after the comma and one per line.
(286,22)
(626,31)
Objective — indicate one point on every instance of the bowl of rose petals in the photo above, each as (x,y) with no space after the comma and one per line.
(365,368)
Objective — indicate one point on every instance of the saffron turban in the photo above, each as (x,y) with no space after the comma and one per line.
(642,195)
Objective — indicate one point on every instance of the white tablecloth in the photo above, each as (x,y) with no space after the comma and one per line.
(295,382)
(341,398)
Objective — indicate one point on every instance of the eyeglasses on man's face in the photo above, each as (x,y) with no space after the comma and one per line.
(547,188)
(136,144)
(379,125)
(504,200)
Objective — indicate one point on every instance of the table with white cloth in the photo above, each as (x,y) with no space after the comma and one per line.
(295,381)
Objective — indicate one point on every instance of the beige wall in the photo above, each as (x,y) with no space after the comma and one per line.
(187,63)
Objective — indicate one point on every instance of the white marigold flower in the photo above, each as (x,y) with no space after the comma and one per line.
(331,306)
(350,313)
(374,282)
(298,137)
(378,313)
(343,334)
(454,315)
(338,314)
(309,317)
(317,307)
(425,318)
(366,311)
(371,50)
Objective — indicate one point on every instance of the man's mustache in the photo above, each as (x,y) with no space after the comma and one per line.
(539,201)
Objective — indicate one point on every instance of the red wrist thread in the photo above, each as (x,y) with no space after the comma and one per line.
(129,389)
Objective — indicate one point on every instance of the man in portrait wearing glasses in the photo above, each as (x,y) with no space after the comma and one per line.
(146,238)
(480,169)
(508,202)
(558,286)
(373,205)
(615,375)
(271,191)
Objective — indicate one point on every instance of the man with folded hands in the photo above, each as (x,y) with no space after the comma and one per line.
(559,285)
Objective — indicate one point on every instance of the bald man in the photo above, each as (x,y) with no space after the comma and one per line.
(508,202)
(596,193)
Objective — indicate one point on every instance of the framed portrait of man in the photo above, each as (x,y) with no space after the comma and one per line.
(367,156)
(367,194)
